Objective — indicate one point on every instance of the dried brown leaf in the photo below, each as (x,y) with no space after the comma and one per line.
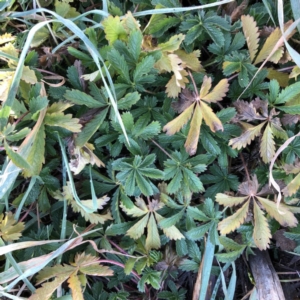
(186,98)
(249,187)
(239,10)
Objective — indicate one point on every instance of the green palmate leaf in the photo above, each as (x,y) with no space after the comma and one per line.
(230,244)
(37,104)
(261,231)
(129,265)
(90,128)
(247,137)
(128,100)
(137,230)
(142,68)
(233,222)
(292,187)
(191,142)
(197,214)
(176,124)
(288,93)
(171,220)
(153,239)
(134,44)
(267,146)
(230,201)
(229,257)
(281,213)
(198,233)
(251,33)
(81,98)
(119,63)
(62,120)
(290,109)
(17,159)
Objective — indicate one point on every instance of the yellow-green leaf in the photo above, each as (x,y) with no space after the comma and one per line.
(246,138)
(280,214)
(230,201)
(28,75)
(10,229)
(171,232)
(36,155)
(62,120)
(153,239)
(138,229)
(281,77)
(218,92)
(75,286)
(192,139)
(176,124)
(292,187)
(267,146)
(251,34)
(172,44)
(210,118)
(261,231)
(233,222)
(40,37)
(6,37)
(113,29)
(48,288)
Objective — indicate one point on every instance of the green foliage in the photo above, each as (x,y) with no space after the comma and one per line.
(142,133)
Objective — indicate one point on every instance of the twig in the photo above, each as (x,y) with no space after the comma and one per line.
(245,166)
(162,149)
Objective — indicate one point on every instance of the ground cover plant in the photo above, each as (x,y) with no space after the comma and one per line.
(148,148)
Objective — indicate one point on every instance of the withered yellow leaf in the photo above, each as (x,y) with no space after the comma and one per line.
(233,222)
(267,146)
(281,213)
(137,230)
(210,118)
(206,86)
(281,77)
(295,72)
(251,34)
(28,75)
(261,231)
(153,239)
(230,201)
(176,124)
(243,140)
(218,92)
(75,286)
(269,46)
(164,63)
(191,142)
(191,59)
(176,65)
(6,37)
(292,187)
